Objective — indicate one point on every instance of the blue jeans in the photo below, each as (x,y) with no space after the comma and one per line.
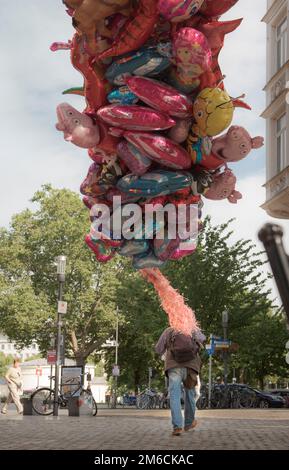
(176,378)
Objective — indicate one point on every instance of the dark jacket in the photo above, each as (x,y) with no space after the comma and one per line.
(163,347)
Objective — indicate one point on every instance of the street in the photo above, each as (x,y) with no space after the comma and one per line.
(147,430)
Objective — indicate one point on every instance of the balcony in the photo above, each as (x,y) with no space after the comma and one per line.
(277,191)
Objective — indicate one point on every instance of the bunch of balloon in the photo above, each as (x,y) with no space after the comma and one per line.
(156,105)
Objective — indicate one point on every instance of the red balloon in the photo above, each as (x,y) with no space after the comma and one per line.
(136,32)
(96,86)
(215,32)
(214,9)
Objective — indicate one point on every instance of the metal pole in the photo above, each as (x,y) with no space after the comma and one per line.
(149,378)
(210,376)
(61,278)
(225,355)
(116,357)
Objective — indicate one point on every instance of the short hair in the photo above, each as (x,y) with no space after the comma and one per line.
(16,359)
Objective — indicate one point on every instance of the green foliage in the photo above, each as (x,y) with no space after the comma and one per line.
(28,282)
(5,363)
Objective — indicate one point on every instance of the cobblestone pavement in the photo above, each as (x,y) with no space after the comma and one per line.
(147,430)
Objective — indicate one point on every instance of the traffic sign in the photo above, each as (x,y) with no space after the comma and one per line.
(51,357)
(38,371)
(287,358)
(116,371)
(62,307)
(224,344)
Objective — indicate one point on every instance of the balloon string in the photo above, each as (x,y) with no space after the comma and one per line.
(181,316)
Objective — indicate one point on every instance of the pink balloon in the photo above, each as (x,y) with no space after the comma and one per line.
(135,118)
(161,96)
(223,187)
(160,149)
(135,160)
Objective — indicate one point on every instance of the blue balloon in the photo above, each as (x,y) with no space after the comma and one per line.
(122,95)
(146,62)
(147,261)
(155,183)
(134,247)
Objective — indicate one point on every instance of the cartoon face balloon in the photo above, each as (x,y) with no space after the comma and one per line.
(192,58)
(213,112)
(179,10)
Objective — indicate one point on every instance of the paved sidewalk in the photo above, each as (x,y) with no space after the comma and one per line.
(147,430)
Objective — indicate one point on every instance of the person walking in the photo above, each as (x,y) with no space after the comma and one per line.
(182,367)
(14,382)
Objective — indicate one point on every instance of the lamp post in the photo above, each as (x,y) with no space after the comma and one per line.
(61,264)
(225,322)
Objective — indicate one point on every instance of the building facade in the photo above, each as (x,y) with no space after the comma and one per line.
(277,109)
(8,348)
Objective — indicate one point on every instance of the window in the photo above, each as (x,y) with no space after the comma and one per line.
(3,347)
(281,44)
(281,143)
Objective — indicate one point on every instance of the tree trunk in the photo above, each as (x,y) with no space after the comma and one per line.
(136,380)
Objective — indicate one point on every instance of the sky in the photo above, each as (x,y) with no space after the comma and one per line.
(32,79)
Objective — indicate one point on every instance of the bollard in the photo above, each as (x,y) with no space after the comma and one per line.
(73,406)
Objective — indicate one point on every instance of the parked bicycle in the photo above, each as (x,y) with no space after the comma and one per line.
(43,399)
(148,400)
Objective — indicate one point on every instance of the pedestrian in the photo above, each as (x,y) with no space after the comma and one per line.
(182,366)
(14,382)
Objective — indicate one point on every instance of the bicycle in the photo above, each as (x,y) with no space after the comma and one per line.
(43,399)
(147,400)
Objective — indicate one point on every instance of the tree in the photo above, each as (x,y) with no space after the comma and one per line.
(228,276)
(28,286)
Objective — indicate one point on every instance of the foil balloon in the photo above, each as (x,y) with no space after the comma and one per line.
(136,161)
(224,187)
(155,183)
(146,261)
(215,32)
(145,62)
(78,128)
(135,118)
(214,9)
(160,149)
(179,133)
(122,95)
(233,146)
(134,247)
(192,58)
(160,96)
(213,112)
(136,32)
(179,10)
(89,18)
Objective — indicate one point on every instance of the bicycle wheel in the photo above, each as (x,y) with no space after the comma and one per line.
(43,401)
(89,401)
(144,402)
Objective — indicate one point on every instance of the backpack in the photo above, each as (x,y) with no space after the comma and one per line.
(184,348)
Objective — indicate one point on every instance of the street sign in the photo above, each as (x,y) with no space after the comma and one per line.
(287,358)
(38,371)
(210,348)
(116,371)
(287,345)
(224,344)
(62,307)
(51,357)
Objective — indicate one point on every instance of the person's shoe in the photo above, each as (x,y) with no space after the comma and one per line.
(177,432)
(4,412)
(20,412)
(192,426)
